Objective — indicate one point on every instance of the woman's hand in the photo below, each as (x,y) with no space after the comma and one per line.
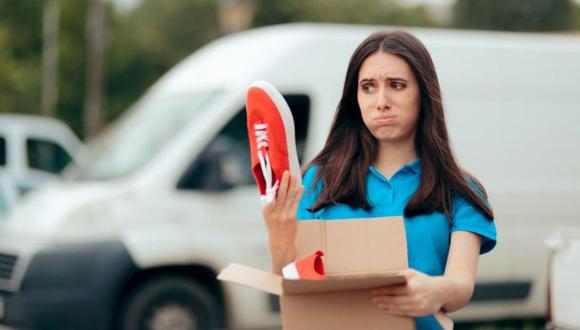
(421,295)
(280,218)
(425,295)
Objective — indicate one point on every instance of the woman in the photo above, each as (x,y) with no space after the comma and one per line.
(388,154)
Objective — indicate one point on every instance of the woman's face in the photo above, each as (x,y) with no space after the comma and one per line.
(389,98)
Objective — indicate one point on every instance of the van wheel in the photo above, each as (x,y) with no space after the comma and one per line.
(171,303)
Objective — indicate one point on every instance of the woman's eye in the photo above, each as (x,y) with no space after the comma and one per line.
(398,86)
(367,88)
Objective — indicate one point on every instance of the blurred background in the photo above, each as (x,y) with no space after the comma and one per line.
(85,62)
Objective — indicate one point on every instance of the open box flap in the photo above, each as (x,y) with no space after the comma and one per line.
(252,277)
(273,283)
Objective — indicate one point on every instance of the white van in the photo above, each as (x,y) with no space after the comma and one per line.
(164,199)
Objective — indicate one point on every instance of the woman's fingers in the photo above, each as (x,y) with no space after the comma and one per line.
(292,191)
(284,207)
(296,201)
(394,300)
(283,189)
(391,290)
(398,305)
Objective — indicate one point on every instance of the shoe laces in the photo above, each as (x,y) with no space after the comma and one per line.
(265,166)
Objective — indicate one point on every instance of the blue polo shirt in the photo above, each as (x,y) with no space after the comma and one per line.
(428,236)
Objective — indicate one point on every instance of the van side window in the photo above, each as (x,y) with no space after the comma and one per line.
(225,162)
(46,156)
(2,151)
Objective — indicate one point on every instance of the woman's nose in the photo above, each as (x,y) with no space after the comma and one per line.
(383,100)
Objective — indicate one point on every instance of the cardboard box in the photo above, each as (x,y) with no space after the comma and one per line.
(360,254)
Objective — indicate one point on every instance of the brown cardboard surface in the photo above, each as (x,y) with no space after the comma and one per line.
(294,287)
(252,277)
(275,284)
(360,254)
(355,246)
(347,310)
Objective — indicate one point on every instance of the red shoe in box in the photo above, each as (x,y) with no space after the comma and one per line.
(272,143)
(308,268)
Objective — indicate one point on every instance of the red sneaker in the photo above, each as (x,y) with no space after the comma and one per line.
(309,268)
(271,133)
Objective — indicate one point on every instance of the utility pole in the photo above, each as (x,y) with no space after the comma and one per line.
(93,110)
(50,31)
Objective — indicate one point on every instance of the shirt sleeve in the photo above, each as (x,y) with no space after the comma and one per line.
(468,218)
(308,199)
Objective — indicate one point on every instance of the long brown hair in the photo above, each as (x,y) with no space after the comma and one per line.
(350,148)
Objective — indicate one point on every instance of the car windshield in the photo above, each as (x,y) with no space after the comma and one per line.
(140,135)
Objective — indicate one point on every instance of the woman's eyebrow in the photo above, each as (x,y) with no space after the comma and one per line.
(365,80)
(396,79)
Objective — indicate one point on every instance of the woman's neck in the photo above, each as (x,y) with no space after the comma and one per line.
(394,155)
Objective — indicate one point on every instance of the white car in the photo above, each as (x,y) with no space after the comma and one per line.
(34,149)
(564,277)
(8,196)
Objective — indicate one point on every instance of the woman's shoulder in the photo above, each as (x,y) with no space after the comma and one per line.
(309,173)
(311,180)
(312,188)
(467,217)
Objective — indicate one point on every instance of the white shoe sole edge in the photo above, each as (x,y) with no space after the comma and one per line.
(288,121)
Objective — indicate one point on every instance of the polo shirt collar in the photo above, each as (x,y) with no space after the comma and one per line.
(414,167)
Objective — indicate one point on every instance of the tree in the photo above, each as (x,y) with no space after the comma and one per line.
(576,17)
(50,25)
(72,63)
(20,46)
(92,115)
(380,12)
(149,40)
(513,15)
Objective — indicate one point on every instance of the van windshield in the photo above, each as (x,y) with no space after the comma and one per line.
(140,135)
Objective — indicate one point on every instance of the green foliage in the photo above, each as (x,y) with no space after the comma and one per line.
(380,12)
(576,24)
(147,41)
(410,16)
(23,18)
(72,61)
(514,15)
(20,44)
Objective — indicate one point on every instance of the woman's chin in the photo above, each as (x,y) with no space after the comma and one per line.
(390,135)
